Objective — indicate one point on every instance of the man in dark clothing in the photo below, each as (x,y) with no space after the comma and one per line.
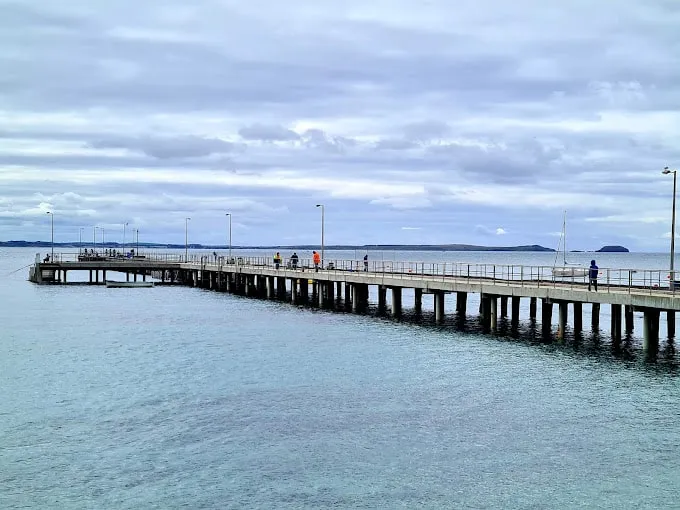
(366,262)
(294,260)
(592,275)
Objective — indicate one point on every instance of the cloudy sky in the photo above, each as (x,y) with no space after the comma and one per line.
(431,121)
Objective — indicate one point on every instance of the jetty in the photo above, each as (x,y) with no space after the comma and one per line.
(346,283)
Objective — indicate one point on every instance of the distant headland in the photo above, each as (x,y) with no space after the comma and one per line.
(365,247)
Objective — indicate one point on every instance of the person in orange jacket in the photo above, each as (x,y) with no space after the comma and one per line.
(316,258)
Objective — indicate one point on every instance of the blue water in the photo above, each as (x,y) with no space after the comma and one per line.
(183,398)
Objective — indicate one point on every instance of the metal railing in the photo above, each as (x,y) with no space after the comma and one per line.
(609,279)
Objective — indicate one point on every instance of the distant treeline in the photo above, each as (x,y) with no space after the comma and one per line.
(365,247)
(310,247)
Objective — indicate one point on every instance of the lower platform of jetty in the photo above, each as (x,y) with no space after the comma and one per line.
(500,287)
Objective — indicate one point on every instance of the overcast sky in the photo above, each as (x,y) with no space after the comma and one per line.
(432,121)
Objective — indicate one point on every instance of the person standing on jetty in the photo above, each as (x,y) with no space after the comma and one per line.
(366,262)
(592,274)
(277,260)
(294,260)
(316,258)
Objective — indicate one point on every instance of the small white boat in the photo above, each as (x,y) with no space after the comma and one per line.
(114,285)
(568,270)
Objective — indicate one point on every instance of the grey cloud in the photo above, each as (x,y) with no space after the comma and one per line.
(268,133)
(319,139)
(426,130)
(167,147)
(395,144)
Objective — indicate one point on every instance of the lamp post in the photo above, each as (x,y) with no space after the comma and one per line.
(52,218)
(102,229)
(186,239)
(94,238)
(80,239)
(322,233)
(137,244)
(229,214)
(667,171)
(124,228)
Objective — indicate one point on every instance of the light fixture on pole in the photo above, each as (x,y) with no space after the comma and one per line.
(322,233)
(229,214)
(52,217)
(137,244)
(94,238)
(667,171)
(102,229)
(186,239)
(80,239)
(124,228)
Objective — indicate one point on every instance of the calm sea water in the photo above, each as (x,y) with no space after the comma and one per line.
(183,398)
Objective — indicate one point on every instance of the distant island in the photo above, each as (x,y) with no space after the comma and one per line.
(369,247)
(613,249)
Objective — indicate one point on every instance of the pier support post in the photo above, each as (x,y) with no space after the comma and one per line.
(616,322)
(249,285)
(348,296)
(293,291)
(330,294)
(359,297)
(104,276)
(670,318)
(270,287)
(651,331)
(338,290)
(504,306)
(439,307)
(304,290)
(281,287)
(493,310)
(321,293)
(418,301)
(461,302)
(562,319)
(546,316)
(595,319)
(396,301)
(91,276)
(64,272)
(578,318)
(630,319)
(485,310)
(532,308)
(382,298)
(514,317)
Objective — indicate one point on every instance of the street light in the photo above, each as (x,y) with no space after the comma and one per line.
(186,239)
(667,171)
(80,239)
(137,245)
(102,229)
(322,228)
(229,214)
(94,238)
(52,218)
(124,227)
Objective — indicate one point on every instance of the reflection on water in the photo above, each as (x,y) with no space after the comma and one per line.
(596,343)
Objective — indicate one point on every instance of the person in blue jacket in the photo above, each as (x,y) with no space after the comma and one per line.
(592,275)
